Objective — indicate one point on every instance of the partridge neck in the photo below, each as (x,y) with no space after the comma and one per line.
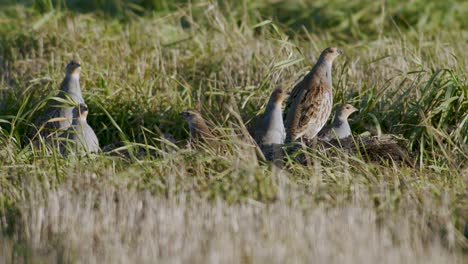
(340,119)
(272,105)
(73,88)
(323,68)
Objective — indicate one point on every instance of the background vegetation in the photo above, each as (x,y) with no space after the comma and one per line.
(144,61)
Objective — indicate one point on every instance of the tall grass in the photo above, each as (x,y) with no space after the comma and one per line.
(404,67)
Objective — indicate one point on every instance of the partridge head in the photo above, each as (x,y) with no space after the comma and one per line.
(73,68)
(339,128)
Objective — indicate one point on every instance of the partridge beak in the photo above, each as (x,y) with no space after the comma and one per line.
(340,51)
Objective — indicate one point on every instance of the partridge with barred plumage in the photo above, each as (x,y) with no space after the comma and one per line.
(199,130)
(310,102)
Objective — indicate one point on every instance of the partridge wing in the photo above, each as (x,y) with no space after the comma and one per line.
(310,103)
(316,109)
(294,94)
(47,122)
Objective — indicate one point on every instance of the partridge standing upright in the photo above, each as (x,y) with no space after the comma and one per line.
(199,130)
(339,128)
(79,137)
(309,105)
(270,127)
(58,115)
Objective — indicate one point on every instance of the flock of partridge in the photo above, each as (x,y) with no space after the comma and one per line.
(62,123)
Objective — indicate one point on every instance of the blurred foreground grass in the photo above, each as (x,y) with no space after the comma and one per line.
(405,67)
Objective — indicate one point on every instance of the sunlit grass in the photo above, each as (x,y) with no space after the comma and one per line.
(404,66)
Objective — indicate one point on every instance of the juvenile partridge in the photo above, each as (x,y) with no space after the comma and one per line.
(339,128)
(199,130)
(270,128)
(309,105)
(79,137)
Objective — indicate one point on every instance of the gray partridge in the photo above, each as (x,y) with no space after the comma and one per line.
(339,128)
(58,115)
(79,138)
(310,102)
(270,128)
(199,130)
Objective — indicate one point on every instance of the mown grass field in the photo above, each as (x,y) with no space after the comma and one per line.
(405,66)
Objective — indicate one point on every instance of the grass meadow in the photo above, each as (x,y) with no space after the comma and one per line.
(405,66)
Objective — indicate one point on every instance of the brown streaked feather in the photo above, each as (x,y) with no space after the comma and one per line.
(198,128)
(318,112)
(295,93)
(307,107)
(315,111)
(291,114)
(201,131)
